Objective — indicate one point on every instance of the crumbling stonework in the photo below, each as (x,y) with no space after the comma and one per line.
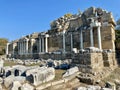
(109,59)
(94,64)
(92,28)
(89,62)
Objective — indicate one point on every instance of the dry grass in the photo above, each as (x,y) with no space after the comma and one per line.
(58,74)
(68,85)
(9,63)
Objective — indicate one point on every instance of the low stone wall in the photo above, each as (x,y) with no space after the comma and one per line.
(52,56)
(44,55)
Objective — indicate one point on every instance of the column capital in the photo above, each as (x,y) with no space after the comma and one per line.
(95,24)
(8,43)
(46,35)
(99,24)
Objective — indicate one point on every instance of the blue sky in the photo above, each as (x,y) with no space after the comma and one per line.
(22,17)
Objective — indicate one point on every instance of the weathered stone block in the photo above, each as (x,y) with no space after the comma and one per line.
(71,71)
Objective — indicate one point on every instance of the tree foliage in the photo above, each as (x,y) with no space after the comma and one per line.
(3,43)
(118,24)
(68,15)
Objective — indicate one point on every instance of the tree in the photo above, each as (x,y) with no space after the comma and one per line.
(118,24)
(3,43)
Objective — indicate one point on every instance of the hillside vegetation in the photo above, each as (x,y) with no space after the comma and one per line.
(117,42)
(3,43)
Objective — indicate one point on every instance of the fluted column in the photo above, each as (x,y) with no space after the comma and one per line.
(81,39)
(91,37)
(99,37)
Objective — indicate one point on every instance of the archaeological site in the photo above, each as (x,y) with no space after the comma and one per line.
(82,44)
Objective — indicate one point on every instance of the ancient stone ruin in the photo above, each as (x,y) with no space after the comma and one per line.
(69,33)
(87,39)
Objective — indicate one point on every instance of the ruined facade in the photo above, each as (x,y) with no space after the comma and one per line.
(69,33)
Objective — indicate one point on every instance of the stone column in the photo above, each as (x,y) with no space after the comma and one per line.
(43,50)
(63,41)
(46,43)
(7,49)
(81,39)
(26,46)
(19,47)
(91,37)
(31,46)
(71,37)
(39,45)
(13,48)
(99,37)
(22,48)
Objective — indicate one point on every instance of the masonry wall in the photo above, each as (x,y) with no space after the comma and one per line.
(88,62)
